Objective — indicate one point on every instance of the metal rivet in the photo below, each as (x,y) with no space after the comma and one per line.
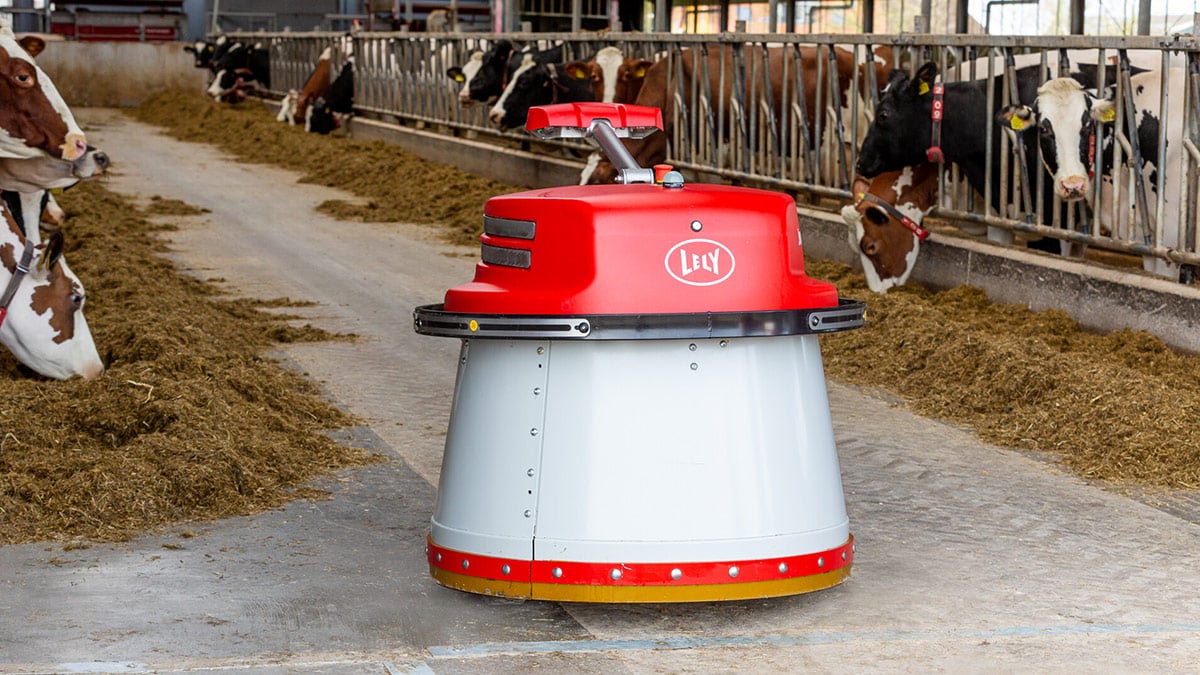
(466,563)
(529,472)
(533,431)
(783,568)
(694,366)
(733,571)
(696,226)
(528,513)
(676,574)
(724,343)
(505,569)
(692,346)
(541,350)
(820,562)
(843,555)
(537,391)
(557,572)
(438,557)
(615,574)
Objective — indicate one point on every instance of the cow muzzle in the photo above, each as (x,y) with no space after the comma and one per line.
(1072,188)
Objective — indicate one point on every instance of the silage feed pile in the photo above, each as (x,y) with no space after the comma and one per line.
(191,420)
(1120,408)
(396,185)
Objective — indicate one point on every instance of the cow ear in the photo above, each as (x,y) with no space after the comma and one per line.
(190,49)
(861,185)
(926,76)
(1104,111)
(577,70)
(897,76)
(52,250)
(638,71)
(1017,117)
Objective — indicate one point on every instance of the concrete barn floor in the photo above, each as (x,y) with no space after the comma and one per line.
(970,557)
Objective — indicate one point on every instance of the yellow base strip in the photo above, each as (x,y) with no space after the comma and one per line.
(695,593)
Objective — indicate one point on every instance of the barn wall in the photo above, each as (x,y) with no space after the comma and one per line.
(119,74)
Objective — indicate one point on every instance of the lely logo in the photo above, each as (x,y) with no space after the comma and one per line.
(700,262)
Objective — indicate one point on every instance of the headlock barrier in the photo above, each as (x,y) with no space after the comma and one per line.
(790,112)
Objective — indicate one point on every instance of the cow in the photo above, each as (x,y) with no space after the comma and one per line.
(241,67)
(538,83)
(653,149)
(885,222)
(332,108)
(438,21)
(904,135)
(41,307)
(294,108)
(1067,118)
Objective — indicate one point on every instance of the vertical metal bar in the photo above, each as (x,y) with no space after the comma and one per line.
(806,136)
(1131,116)
(1160,162)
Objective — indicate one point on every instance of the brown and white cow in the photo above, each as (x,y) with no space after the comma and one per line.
(34,118)
(885,222)
(294,109)
(25,182)
(41,307)
(655,92)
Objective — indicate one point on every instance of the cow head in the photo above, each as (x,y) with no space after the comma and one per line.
(202,51)
(45,327)
(899,135)
(462,76)
(532,84)
(1065,119)
(47,173)
(492,75)
(887,245)
(614,78)
(33,115)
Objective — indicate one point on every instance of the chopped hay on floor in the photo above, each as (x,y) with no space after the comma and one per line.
(384,175)
(190,421)
(1119,408)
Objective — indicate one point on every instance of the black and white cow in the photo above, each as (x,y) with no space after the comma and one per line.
(1068,117)
(483,77)
(902,132)
(328,111)
(242,66)
(537,83)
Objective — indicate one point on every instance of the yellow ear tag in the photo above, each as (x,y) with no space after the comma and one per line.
(861,196)
(1108,115)
(923,89)
(1016,123)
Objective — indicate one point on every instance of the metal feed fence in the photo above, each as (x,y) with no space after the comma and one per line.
(761,135)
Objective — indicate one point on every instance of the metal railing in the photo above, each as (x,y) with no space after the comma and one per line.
(759,132)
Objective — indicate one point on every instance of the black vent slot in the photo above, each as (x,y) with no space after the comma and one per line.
(508,257)
(507,227)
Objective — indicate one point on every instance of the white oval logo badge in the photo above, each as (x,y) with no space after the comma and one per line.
(700,262)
